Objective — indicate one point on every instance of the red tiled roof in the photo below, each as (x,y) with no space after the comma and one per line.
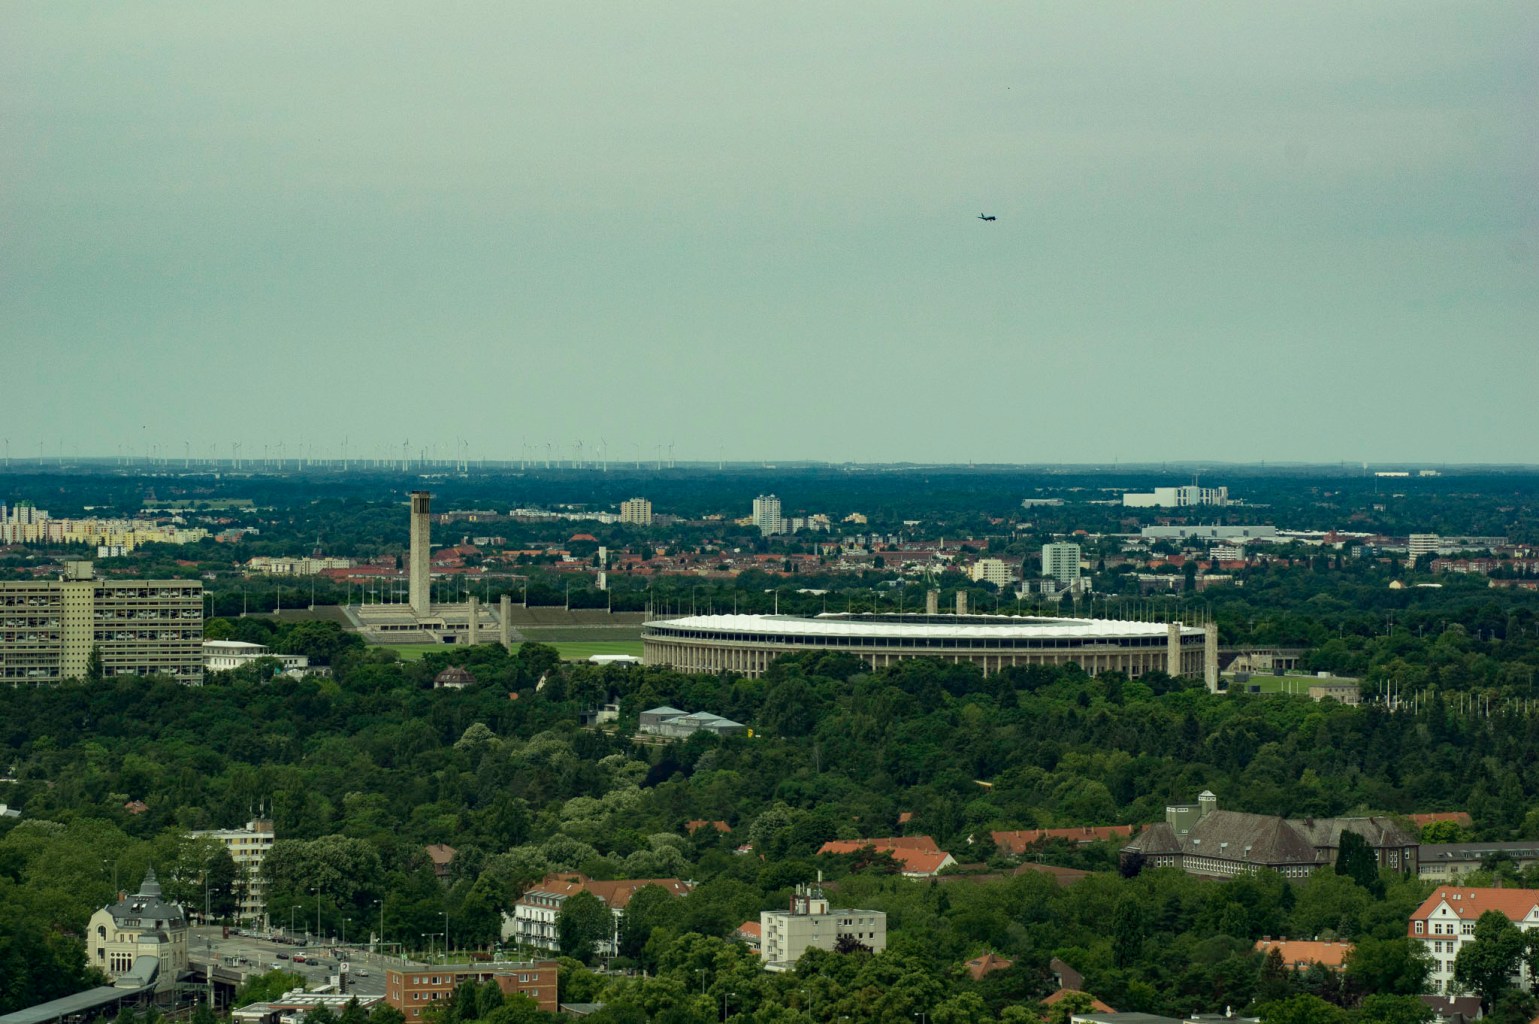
(1457,817)
(986,964)
(882,845)
(1300,953)
(922,862)
(692,826)
(1017,841)
(1468,904)
(616,894)
(1096,1006)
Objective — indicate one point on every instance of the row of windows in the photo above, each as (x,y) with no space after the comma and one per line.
(654,632)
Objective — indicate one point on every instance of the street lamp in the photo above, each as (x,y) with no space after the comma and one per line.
(446,936)
(380,941)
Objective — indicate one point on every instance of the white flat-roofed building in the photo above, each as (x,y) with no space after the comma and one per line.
(225,655)
(1209,532)
(784,935)
(248,847)
(766,515)
(1177,497)
(748,643)
(637,511)
(992,570)
(1061,561)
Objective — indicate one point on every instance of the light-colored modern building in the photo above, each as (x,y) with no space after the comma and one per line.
(248,847)
(637,511)
(1258,532)
(766,515)
(1177,497)
(1445,862)
(1061,561)
(992,570)
(809,923)
(48,628)
(227,655)
(140,940)
(747,644)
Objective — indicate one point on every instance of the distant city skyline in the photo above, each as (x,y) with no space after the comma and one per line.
(1295,233)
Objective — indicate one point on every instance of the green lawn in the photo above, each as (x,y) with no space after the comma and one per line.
(574,651)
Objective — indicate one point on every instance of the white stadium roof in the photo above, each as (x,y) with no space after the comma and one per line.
(969,627)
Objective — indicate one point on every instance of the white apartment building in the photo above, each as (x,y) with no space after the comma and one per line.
(49,628)
(248,847)
(264,565)
(766,515)
(786,934)
(992,570)
(1446,921)
(1061,561)
(1177,497)
(637,511)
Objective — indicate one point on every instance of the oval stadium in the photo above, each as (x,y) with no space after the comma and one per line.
(746,644)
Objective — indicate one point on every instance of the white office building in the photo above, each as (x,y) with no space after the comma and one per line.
(1061,561)
(1177,497)
(226,655)
(766,515)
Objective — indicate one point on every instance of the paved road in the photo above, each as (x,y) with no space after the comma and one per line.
(259,955)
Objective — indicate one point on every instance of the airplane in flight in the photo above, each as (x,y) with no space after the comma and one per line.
(987,216)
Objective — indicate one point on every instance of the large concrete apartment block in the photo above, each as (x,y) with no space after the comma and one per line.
(48,628)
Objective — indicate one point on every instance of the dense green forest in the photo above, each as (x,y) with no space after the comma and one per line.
(360,771)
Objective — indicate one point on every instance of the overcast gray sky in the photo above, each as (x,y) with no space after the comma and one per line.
(1226,231)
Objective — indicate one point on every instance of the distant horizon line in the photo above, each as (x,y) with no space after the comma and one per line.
(440,467)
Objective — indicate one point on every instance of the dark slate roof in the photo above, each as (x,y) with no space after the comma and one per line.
(1271,840)
(1475,852)
(147,906)
(1377,830)
(1158,839)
